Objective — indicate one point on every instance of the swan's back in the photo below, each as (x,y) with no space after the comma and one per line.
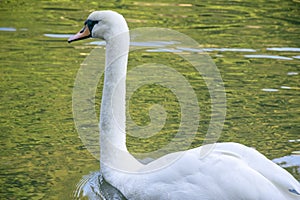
(279,177)
(231,171)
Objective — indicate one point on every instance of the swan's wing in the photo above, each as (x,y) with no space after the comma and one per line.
(231,171)
(223,175)
(278,176)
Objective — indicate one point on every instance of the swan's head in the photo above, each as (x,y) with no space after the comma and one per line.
(101,24)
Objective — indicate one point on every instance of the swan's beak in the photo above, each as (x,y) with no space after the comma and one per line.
(83,34)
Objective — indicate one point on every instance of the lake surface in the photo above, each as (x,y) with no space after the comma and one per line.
(254,44)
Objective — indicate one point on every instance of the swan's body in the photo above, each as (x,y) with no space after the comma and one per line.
(230,171)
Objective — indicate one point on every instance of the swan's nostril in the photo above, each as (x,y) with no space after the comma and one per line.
(82,30)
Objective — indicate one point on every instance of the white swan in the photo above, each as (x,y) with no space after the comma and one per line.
(231,171)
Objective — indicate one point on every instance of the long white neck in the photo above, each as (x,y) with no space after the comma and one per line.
(113,153)
(112,113)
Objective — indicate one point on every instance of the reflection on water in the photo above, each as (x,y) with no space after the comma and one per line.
(291,161)
(285,87)
(292,73)
(57,35)
(11,29)
(269,56)
(284,49)
(270,90)
(7,29)
(93,186)
(297,57)
(217,49)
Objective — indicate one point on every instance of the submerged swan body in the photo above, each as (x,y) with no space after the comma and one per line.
(230,171)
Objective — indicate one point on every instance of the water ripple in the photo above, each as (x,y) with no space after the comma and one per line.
(297,57)
(268,56)
(269,90)
(57,35)
(217,49)
(292,73)
(284,49)
(7,29)
(289,161)
(285,87)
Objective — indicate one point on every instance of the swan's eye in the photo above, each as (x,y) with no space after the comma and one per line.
(91,23)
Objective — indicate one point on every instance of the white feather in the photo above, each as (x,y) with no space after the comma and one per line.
(230,171)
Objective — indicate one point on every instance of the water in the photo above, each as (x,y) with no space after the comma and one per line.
(254,44)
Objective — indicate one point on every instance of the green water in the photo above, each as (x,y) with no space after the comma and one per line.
(42,156)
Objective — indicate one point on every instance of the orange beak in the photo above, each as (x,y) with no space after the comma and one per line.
(83,34)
